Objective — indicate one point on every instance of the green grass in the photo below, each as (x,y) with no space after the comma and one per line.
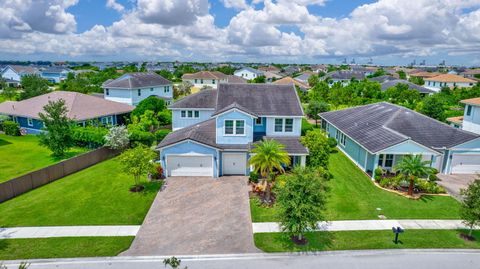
(354,196)
(63,247)
(98,195)
(23,154)
(354,240)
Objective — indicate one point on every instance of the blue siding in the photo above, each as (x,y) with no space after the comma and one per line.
(178,122)
(190,147)
(238,140)
(370,162)
(260,128)
(408,147)
(352,149)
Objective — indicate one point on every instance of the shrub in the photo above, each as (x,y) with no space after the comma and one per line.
(164,117)
(90,136)
(160,134)
(332,142)
(253,177)
(306,126)
(117,138)
(11,128)
(142,137)
(429,187)
(377,174)
(317,144)
(152,103)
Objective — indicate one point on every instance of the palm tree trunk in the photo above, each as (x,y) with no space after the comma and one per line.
(410,187)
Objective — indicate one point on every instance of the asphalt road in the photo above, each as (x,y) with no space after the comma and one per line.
(401,259)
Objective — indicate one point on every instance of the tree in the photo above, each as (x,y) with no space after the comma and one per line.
(117,138)
(412,167)
(314,108)
(433,107)
(33,85)
(151,103)
(185,88)
(470,210)
(9,93)
(259,79)
(58,135)
(301,201)
(319,92)
(269,155)
(137,161)
(417,80)
(318,147)
(402,74)
(313,80)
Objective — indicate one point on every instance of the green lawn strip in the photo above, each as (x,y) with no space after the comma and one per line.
(355,240)
(22,154)
(354,196)
(63,247)
(98,195)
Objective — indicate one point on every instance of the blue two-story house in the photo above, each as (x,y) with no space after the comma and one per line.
(81,108)
(55,74)
(380,134)
(214,130)
(470,121)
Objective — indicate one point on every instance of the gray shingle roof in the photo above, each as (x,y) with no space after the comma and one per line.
(412,86)
(261,99)
(383,78)
(137,80)
(234,105)
(201,99)
(382,125)
(347,75)
(292,144)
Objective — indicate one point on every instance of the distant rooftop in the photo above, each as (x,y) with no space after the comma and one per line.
(137,80)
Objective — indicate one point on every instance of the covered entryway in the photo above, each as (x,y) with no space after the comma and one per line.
(234,163)
(465,163)
(181,165)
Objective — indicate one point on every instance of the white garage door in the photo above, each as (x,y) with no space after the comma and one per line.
(234,163)
(181,166)
(465,164)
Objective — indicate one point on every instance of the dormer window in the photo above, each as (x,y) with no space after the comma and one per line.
(234,127)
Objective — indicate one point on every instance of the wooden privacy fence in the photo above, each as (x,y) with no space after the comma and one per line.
(35,179)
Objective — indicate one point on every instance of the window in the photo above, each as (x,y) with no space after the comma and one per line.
(388,160)
(107,92)
(196,81)
(278,125)
(197,114)
(107,120)
(166,89)
(213,81)
(29,122)
(183,114)
(258,121)
(234,127)
(190,113)
(229,127)
(139,92)
(469,110)
(201,81)
(343,139)
(288,125)
(151,89)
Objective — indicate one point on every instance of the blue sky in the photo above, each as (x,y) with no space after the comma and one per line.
(313,31)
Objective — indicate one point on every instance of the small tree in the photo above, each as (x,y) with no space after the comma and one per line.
(117,138)
(33,85)
(470,210)
(433,107)
(185,88)
(301,201)
(9,93)
(58,135)
(319,148)
(151,103)
(314,108)
(412,167)
(137,161)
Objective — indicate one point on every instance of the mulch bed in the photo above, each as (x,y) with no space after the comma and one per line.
(467,237)
(301,242)
(138,188)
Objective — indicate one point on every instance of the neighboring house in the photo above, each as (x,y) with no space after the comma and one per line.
(412,86)
(304,77)
(132,88)
(235,79)
(292,81)
(81,108)
(270,76)
(470,121)
(448,80)
(343,77)
(248,73)
(471,73)
(382,79)
(290,70)
(381,134)
(271,68)
(422,74)
(367,71)
(319,68)
(205,78)
(55,74)
(216,129)
(14,73)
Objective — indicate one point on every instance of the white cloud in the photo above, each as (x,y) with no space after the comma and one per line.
(236,4)
(171,12)
(113,4)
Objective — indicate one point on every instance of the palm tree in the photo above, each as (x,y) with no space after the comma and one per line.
(411,167)
(267,156)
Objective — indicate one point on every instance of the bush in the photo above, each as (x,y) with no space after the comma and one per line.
(164,117)
(253,177)
(306,126)
(377,174)
(429,187)
(332,142)
(391,182)
(11,128)
(142,137)
(160,134)
(90,136)
(152,103)
(317,144)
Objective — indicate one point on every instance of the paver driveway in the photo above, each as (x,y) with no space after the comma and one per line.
(196,215)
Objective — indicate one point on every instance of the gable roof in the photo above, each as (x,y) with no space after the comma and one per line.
(136,80)
(347,75)
(450,78)
(411,86)
(236,79)
(383,78)
(258,72)
(291,81)
(261,99)
(382,125)
(22,69)
(80,106)
(234,105)
(471,101)
(424,74)
(201,99)
(205,75)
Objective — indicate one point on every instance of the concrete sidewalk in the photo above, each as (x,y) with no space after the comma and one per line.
(367,225)
(67,231)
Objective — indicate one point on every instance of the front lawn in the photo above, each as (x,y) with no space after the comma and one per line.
(354,240)
(63,247)
(23,154)
(98,195)
(354,196)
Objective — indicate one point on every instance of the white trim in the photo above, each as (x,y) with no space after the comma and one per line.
(189,141)
(453,148)
(280,116)
(238,153)
(190,155)
(235,110)
(137,88)
(190,108)
(30,122)
(284,125)
(409,140)
(234,127)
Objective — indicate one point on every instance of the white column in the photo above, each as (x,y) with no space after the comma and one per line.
(303,160)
